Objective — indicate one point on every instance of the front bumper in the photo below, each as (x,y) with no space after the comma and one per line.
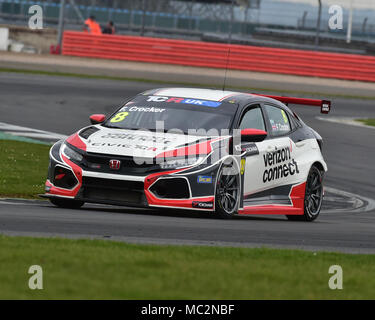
(165,189)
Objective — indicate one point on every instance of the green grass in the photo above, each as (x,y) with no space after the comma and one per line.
(23,168)
(184,83)
(98,269)
(368,122)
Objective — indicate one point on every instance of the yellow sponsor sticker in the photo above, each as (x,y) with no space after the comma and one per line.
(284,116)
(119,117)
(204,179)
(243,162)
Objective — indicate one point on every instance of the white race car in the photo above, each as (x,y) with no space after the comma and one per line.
(198,149)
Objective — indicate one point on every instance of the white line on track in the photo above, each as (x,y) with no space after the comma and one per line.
(29,132)
(360,203)
(346,120)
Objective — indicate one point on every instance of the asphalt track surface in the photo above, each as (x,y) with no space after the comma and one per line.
(62,105)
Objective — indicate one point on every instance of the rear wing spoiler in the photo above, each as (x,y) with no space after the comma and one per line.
(325,105)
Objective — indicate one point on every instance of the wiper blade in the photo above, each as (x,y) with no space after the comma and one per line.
(167,131)
(117,127)
(146,129)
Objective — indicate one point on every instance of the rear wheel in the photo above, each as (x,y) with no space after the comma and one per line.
(67,203)
(227,191)
(313,197)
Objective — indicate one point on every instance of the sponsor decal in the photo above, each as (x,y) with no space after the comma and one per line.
(273,125)
(203,205)
(125,111)
(197,102)
(118,117)
(284,116)
(137,137)
(243,162)
(281,164)
(249,149)
(204,179)
(142,109)
(280,127)
(127,146)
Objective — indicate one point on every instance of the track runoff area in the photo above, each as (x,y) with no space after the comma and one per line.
(345,224)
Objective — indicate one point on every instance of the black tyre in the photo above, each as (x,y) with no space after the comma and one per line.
(227,191)
(313,196)
(67,203)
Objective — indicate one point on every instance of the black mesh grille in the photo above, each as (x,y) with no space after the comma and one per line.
(63,178)
(125,161)
(116,195)
(174,188)
(100,163)
(113,184)
(122,192)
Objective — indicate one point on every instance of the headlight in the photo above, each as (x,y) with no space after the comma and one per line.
(181,162)
(71,154)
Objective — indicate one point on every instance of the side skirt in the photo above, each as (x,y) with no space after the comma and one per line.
(296,196)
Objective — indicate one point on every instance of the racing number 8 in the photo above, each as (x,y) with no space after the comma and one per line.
(119,117)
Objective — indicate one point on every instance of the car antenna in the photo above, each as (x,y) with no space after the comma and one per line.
(226,69)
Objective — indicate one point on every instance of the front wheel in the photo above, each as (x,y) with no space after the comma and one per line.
(227,191)
(313,197)
(66,203)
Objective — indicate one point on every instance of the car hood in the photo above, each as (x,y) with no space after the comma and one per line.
(137,143)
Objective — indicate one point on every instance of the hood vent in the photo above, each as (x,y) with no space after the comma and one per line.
(86,133)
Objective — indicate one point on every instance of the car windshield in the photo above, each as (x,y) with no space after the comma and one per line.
(151,113)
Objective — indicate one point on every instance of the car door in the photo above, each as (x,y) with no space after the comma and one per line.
(252,163)
(280,160)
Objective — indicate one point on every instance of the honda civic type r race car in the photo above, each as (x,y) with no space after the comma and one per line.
(198,149)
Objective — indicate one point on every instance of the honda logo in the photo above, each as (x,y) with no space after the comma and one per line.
(114,164)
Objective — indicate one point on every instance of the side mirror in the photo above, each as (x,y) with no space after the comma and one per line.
(253,135)
(97,118)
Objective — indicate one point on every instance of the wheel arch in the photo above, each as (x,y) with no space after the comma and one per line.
(320,166)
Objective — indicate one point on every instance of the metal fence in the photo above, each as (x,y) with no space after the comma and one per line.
(194,16)
(245,21)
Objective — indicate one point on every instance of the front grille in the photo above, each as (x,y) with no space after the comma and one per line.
(122,192)
(125,197)
(113,184)
(100,163)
